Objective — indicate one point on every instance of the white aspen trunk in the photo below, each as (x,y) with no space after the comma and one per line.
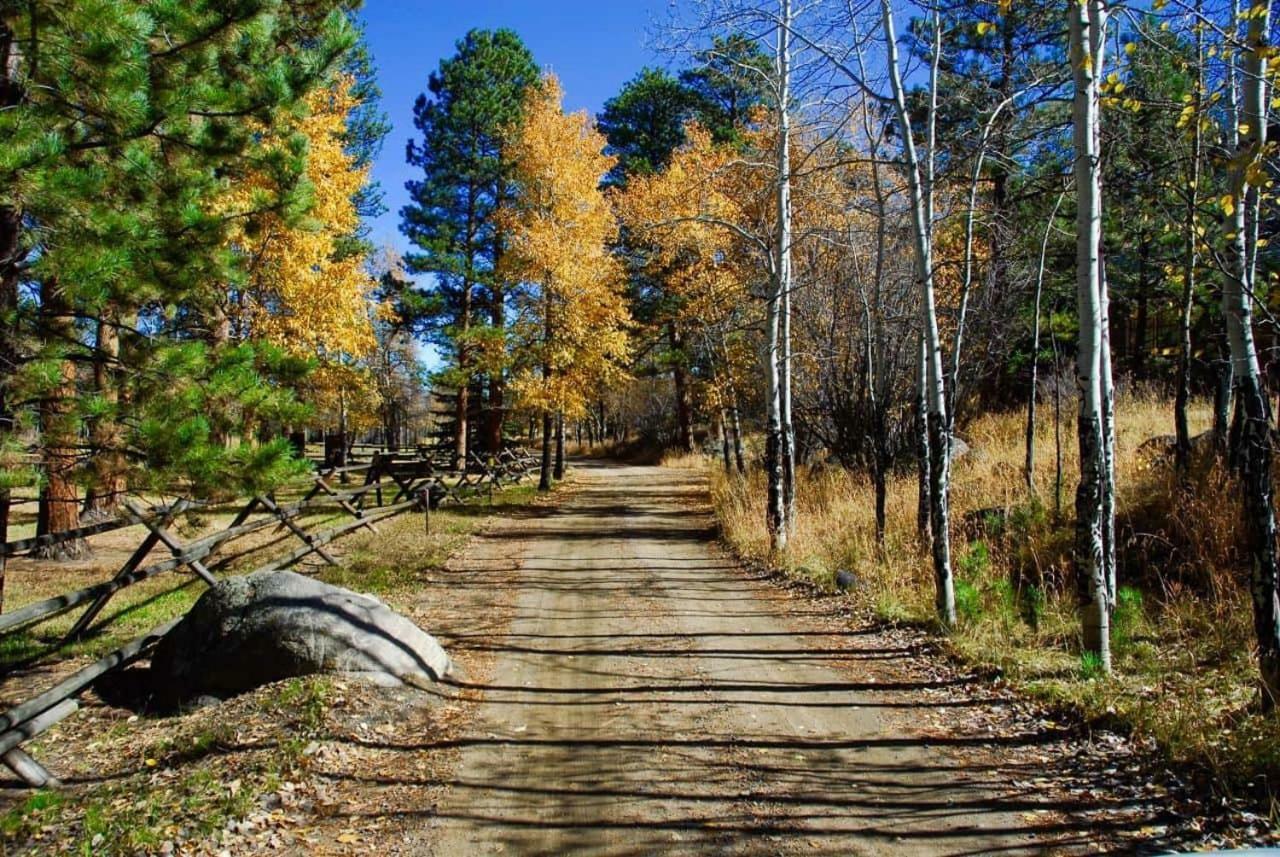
(970,216)
(924,530)
(1252,446)
(1086,23)
(1181,427)
(785,273)
(935,387)
(1108,437)
(788,426)
(874,312)
(966,284)
(774,505)
(1097,46)
(1029,467)
(1226,388)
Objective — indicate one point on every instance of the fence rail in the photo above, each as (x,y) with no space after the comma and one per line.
(412,482)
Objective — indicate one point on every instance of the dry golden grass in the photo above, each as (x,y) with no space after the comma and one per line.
(1184,668)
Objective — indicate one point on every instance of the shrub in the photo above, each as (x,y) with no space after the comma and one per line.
(968,602)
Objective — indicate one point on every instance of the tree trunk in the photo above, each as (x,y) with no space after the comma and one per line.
(935,394)
(924,530)
(1142,319)
(1029,467)
(559,470)
(1086,22)
(11,256)
(680,377)
(1252,442)
(780,284)
(788,425)
(344,443)
(544,474)
(966,288)
(724,440)
(107,467)
(739,459)
(785,270)
(463,404)
(10,253)
(877,382)
(1222,396)
(1108,435)
(495,418)
(1182,431)
(59,431)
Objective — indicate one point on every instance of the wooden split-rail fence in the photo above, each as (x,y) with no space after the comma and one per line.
(361,496)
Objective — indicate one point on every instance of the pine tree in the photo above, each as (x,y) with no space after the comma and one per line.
(367,127)
(472,101)
(116,221)
(644,123)
(727,83)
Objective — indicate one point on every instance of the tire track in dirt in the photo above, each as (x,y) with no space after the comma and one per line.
(650,697)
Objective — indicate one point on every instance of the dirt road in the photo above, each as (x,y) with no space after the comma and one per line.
(651,697)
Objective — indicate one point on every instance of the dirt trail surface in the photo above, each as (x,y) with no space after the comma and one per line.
(649,696)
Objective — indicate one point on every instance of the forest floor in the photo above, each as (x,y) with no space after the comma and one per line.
(624,687)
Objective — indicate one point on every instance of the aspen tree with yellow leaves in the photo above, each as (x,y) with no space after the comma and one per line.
(302,293)
(1253,441)
(570,337)
(307,292)
(681,215)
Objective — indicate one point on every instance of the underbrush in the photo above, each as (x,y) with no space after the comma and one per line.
(1184,669)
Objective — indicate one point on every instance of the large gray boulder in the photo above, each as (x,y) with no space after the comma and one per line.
(250,630)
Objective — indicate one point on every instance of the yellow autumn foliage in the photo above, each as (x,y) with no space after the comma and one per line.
(571,336)
(300,295)
(690,219)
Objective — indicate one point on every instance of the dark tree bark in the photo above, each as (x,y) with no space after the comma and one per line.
(559,469)
(739,458)
(59,509)
(684,408)
(544,474)
(724,441)
(107,466)
(11,256)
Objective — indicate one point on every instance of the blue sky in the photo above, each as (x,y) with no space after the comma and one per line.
(594,47)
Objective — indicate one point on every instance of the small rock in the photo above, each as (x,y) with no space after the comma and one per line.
(847,580)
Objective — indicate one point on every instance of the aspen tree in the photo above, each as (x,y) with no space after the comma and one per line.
(1252,450)
(1086,21)
(919,176)
(571,339)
